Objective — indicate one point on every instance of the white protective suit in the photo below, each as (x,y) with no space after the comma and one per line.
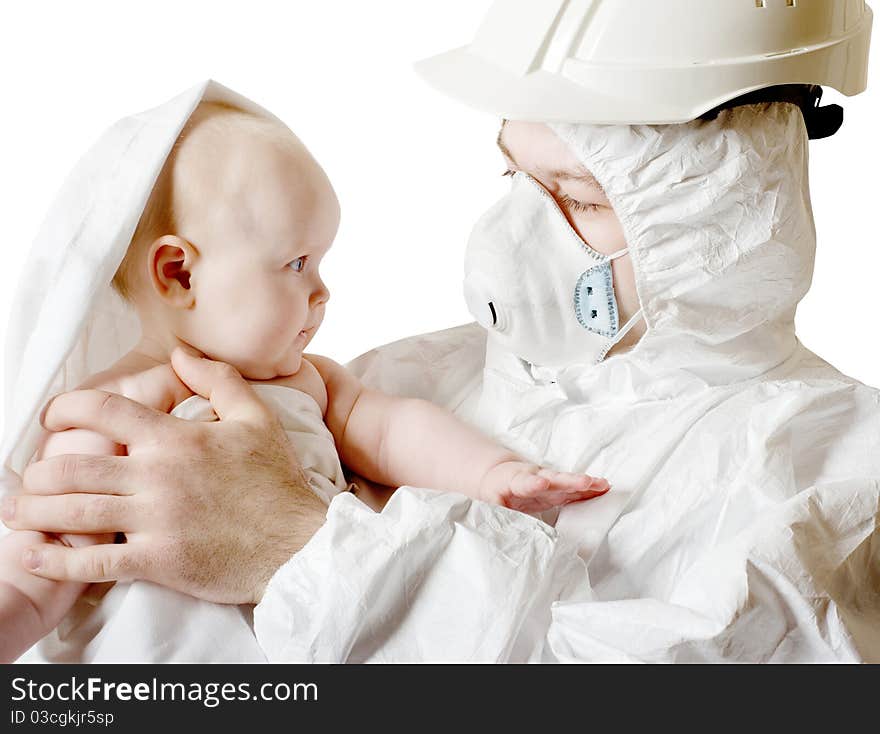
(742,523)
(746,471)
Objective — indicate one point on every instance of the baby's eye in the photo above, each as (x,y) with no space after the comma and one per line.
(578,206)
(299,264)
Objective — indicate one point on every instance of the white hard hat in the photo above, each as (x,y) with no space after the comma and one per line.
(647,61)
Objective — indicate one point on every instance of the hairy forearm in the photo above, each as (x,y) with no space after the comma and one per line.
(300,521)
(420,444)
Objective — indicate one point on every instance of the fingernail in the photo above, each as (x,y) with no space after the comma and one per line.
(7,508)
(31,559)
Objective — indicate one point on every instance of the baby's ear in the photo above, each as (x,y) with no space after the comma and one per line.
(170,262)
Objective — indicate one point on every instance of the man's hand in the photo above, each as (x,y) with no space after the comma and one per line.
(210,509)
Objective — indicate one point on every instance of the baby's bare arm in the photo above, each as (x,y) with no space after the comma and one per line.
(30,606)
(400,441)
(397,441)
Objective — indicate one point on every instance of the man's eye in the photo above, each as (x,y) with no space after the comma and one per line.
(578,206)
(299,264)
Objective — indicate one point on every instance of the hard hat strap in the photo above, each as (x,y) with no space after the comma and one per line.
(821,122)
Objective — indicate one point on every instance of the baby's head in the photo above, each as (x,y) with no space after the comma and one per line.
(225,256)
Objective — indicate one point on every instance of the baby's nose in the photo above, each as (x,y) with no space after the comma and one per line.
(321,294)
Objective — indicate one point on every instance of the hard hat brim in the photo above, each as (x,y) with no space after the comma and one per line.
(631,94)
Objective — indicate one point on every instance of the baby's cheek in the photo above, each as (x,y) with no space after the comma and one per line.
(251,333)
(270,335)
(270,348)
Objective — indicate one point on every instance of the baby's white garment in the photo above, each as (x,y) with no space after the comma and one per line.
(142,622)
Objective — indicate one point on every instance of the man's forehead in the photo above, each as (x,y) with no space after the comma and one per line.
(574,172)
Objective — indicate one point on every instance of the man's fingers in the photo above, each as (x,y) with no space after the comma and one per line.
(69,513)
(121,420)
(230,395)
(93,564)
(79,473)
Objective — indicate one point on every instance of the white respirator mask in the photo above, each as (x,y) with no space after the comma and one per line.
(536,286)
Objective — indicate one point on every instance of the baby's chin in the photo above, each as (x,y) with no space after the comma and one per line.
(287,367)
(277,366)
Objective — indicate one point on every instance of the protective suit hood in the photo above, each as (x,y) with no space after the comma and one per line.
(719,225)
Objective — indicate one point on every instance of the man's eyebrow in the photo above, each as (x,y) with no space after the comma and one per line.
(582,177)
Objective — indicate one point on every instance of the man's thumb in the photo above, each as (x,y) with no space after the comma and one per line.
(232,398)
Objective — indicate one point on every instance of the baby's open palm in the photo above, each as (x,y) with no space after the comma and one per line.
(531,488)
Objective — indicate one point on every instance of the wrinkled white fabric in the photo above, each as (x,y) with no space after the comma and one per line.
(435,576)
(742,523)
(142,622)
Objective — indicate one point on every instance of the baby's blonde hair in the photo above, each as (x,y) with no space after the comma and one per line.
(161,216)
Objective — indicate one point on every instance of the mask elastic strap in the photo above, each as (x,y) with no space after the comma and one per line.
(636,317)
(628,326)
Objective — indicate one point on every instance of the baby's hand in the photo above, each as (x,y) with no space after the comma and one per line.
(531,488)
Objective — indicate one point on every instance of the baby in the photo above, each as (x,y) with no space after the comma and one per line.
(225,262)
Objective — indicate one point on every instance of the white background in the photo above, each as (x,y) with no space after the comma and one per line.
(413,169)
